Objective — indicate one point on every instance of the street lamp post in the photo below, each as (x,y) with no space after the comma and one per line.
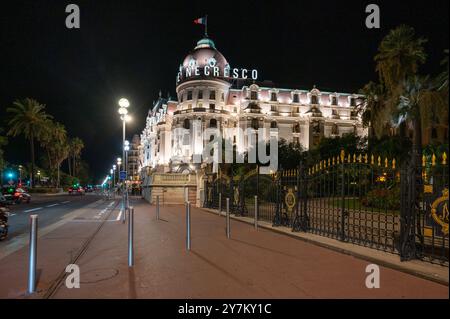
(114,174)
(126,148)
(111,171)
(123,111)
(20,174)
(119,162)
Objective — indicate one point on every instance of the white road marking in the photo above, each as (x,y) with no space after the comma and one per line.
(22,240)
(91,220)
(12,214)
(52,205)
(120,215)
(65,202)
(110,204)
(101,213)
(32,210)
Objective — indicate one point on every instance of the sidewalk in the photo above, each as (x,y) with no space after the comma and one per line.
(252,264)
(423,269)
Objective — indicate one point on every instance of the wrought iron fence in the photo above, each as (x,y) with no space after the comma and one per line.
(358,198)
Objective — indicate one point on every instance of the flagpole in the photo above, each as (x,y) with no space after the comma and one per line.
(206,26)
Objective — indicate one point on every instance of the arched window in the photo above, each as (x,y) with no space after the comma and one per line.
(334,100)
(314,99)
(273,96)
(253,95)
(296,128)
(186,124)
(273,124)
(334,129)
(255,124)
(213,123)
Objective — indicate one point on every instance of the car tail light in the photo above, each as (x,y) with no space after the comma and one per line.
(16,194)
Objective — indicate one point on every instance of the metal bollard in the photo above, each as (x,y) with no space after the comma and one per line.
(157,207)
(228,218)
(256,211)
(220,204)
(130,236)
(32,254)
(124,209)
(188,225)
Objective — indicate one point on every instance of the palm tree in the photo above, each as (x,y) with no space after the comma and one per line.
(421,105)
(442,79)
(372,109)
(399,56)
(46,140)
(76,145)
(54,141)
(3,142)
(28,118)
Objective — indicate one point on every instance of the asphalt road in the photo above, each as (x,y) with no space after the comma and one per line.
(50,209)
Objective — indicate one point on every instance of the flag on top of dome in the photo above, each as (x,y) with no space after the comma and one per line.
(201,20)
(204,21)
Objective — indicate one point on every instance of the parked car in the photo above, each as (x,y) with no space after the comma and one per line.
(76,190)
(20,196)
(88,189)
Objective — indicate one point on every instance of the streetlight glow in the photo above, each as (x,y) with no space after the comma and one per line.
(123,102)
(123,111)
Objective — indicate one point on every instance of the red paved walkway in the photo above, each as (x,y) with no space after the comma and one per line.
(253,264)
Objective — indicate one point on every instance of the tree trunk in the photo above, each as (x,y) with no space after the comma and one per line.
(69,163)
(32,160)
(57,178)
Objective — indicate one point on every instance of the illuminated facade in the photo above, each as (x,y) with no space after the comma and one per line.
(220,96)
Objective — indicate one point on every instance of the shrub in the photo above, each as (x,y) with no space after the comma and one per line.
(383,198)
(43,190)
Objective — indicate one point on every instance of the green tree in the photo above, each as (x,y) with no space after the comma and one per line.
(372,109)
(76,145)
(28,118)
(420,105)
(399,56)
(3,142)
(289,154)
(55,142)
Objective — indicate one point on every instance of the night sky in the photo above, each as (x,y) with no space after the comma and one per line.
(133,49)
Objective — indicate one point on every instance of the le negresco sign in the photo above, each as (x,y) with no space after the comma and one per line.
(211,70)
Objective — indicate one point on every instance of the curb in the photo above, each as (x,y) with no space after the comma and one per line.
(378,261)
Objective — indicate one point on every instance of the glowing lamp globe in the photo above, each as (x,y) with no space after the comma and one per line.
(124,102)
(123,111)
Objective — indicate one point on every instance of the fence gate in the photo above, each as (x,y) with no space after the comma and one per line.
(358,198)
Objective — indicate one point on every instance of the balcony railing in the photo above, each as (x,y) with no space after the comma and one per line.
(201,110)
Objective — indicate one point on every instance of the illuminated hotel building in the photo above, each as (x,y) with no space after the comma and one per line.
(220,96)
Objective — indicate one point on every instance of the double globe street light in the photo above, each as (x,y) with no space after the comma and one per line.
(123,111)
